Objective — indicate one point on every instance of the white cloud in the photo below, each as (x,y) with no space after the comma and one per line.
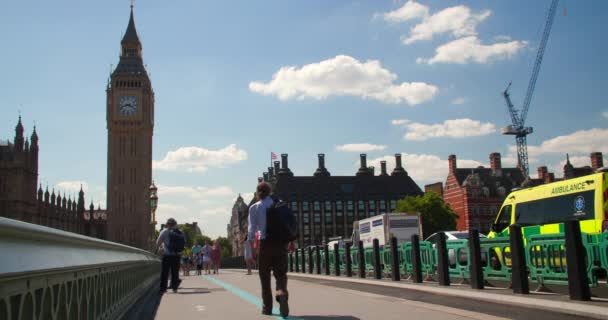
(455,128)
(73,186)
(459,21)
(583,141)
(343,76)
(360,147)
(605,114)
(458,101)
(196,193)
(196,159)
(423,168)
(398,122)
(409,11)
(470,49)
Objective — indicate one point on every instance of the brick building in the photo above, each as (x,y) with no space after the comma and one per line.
(19,199)
(476,194)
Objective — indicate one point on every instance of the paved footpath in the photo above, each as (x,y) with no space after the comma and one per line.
(235,295)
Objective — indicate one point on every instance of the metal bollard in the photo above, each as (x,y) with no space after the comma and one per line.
(519,272)
(349,267)
(443,272)
(361,260)
(336,260)
(318,256)
(475,268)
(396,273)
(578,284)
(377,267)
(326,258)
(296,254)
(303,253)
(291,262)
(417,263)
(311,263)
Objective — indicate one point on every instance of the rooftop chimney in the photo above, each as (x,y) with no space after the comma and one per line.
(383,168)
(452,163)
(542,173)
(270,172)
(285,166)
(550,177)
(495,163)
(596,160)
(398,171)
(372,170)
(321,170)
(363,170)
(277,167)
(265,174)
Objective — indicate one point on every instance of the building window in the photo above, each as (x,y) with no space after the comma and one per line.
(305,206)
(327,205)
(317,205)
(339,206)
(361,205)
(393,205)
(349,205)
(294,205)
(383,205)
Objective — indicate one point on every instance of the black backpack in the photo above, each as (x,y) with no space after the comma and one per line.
(281,224)
(177,241)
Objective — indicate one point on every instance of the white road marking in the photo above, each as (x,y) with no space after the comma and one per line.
(199,307)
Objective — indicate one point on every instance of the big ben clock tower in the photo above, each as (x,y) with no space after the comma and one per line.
(130,123)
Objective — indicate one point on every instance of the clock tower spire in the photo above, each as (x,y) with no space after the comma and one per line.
(130,123)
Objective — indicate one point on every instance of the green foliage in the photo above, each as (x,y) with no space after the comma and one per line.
(436,214)
(202,239)
(226,246)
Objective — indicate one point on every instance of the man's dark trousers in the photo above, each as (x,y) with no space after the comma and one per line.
(170,262)
(273,256)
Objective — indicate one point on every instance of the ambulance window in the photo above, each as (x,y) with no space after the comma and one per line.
(504,218)
(574,206)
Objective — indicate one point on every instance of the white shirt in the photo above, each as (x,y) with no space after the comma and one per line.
(163,238)
(257,218)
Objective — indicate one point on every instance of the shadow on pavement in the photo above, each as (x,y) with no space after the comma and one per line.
(325,317)
(146,307)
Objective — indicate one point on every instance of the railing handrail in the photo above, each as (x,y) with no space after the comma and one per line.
(31,246)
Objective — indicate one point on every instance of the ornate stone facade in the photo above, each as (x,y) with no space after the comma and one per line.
(237,229)
(19,199)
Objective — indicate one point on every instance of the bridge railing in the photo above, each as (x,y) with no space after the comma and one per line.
(47,273)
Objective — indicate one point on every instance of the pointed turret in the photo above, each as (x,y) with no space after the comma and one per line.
(568,168)
(131,62)
(19,136)
(91,207)
(34,141)
(81,204)
(46,195)
(40,193)
(131,33)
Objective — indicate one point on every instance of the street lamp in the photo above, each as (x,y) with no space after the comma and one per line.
(153,202)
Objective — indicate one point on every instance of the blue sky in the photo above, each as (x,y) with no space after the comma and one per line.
(234,81)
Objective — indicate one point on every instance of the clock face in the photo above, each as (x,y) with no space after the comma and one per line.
(127,105)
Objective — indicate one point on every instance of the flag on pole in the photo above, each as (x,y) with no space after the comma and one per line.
(273,156)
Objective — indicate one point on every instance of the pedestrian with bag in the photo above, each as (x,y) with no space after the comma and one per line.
(173,242)
(277,226)
(216,256)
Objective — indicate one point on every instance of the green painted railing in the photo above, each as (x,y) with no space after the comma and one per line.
(52,274)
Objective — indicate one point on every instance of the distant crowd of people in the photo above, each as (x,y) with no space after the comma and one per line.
(202,257)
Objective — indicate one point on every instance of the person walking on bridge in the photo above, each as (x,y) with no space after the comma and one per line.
(272,254)
(172,241)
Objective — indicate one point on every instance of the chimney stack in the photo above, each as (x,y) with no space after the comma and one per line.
(398,171)
(596,160)
(277,167)
(321,170)
(372,170)
(383,168)
(550,177)
(495,164)
(363,169)
(265,174)
(363,157)
(452,163)
(285,166)
(542,172)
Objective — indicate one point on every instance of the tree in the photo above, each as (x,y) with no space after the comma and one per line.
(436,215)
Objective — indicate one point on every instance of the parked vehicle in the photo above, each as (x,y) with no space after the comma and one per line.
(455,235)
(384,226)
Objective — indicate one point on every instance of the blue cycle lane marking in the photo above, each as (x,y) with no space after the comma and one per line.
(245,296)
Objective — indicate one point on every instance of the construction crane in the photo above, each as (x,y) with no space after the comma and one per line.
(518,118)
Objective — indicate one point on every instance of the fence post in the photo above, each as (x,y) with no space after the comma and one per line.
(417,263)
(311,263)
(475,268)
(326,257)
(318,256)
(443,272)
(578,285)
(291,262)
(376,252)
(349,267)
(336,260)
(361,260)
(296,255)
(519,272)
(396,273)
(303,253)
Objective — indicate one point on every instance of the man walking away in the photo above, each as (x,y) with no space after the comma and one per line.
(273,251)
(173,241)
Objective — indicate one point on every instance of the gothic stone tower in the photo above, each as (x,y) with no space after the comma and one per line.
(130,123)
